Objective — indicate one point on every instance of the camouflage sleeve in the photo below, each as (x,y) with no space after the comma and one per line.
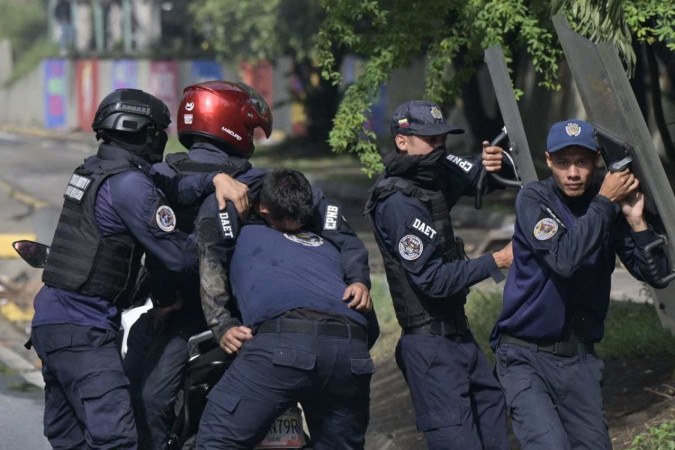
(217,303)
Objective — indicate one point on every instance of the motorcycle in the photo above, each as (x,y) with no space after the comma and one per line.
(207,363)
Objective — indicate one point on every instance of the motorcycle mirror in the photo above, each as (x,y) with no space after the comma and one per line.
(34,253)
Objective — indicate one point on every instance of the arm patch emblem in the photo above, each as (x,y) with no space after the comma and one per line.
(462,163)
(545,229)
(166,218)
(425,229)
(410,247)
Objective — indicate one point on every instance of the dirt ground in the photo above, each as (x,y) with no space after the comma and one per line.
(639,393)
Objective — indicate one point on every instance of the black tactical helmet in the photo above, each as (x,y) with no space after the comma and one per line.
(130,110)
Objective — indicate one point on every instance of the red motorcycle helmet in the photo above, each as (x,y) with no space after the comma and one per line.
(225,112)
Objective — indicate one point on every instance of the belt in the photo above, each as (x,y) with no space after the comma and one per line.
(564,348)
(310,327)
(437,327)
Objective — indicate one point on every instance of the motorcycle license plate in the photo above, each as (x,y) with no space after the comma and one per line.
(286,431)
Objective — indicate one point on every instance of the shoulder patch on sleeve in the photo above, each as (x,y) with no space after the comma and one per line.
(332,217)
(460,162)
(410,247)
(165,218)
(226,225)
(77,186)
(422,227)
(545,229)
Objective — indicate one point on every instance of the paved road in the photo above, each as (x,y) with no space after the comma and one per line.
(21,395)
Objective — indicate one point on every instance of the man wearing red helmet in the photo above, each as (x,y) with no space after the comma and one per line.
(216,121)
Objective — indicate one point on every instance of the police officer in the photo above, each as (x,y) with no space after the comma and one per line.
(112,213)
(457,400)
(216,122)
(568,232)
(307,345)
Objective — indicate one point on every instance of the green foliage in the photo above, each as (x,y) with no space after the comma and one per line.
(22,22)
(452,35)
(661,437)
(651,21)
(258,29)
(619,21)
(600,20)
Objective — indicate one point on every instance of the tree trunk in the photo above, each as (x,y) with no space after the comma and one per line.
(320,99)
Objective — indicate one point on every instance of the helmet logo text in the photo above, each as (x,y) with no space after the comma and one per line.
(231,133)
(189,106)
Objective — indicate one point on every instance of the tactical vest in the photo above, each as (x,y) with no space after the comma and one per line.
(183,165)
(414,308)
(80,259)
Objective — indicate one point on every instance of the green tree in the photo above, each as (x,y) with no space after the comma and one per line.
(452,35)
(269,29)
(24,24)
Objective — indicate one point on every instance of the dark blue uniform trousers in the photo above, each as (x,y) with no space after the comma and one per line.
(155,363)
(555,401)
(458,401)
(87,402)
(329,376)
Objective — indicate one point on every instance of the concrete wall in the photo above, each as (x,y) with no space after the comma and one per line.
(25,102)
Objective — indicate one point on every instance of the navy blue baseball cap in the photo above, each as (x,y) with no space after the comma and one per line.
(420,118)
(571,132)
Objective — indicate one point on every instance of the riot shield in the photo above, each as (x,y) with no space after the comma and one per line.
(610,103)
(518,150)
(513,124)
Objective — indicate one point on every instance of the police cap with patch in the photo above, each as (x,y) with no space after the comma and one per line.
(572,132)
(420,118)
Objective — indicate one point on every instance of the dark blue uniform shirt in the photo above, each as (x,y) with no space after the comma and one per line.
(564,254)
(273,272)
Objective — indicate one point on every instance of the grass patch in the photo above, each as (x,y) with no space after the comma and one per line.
(661,437)
(634,329)
(389,329)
